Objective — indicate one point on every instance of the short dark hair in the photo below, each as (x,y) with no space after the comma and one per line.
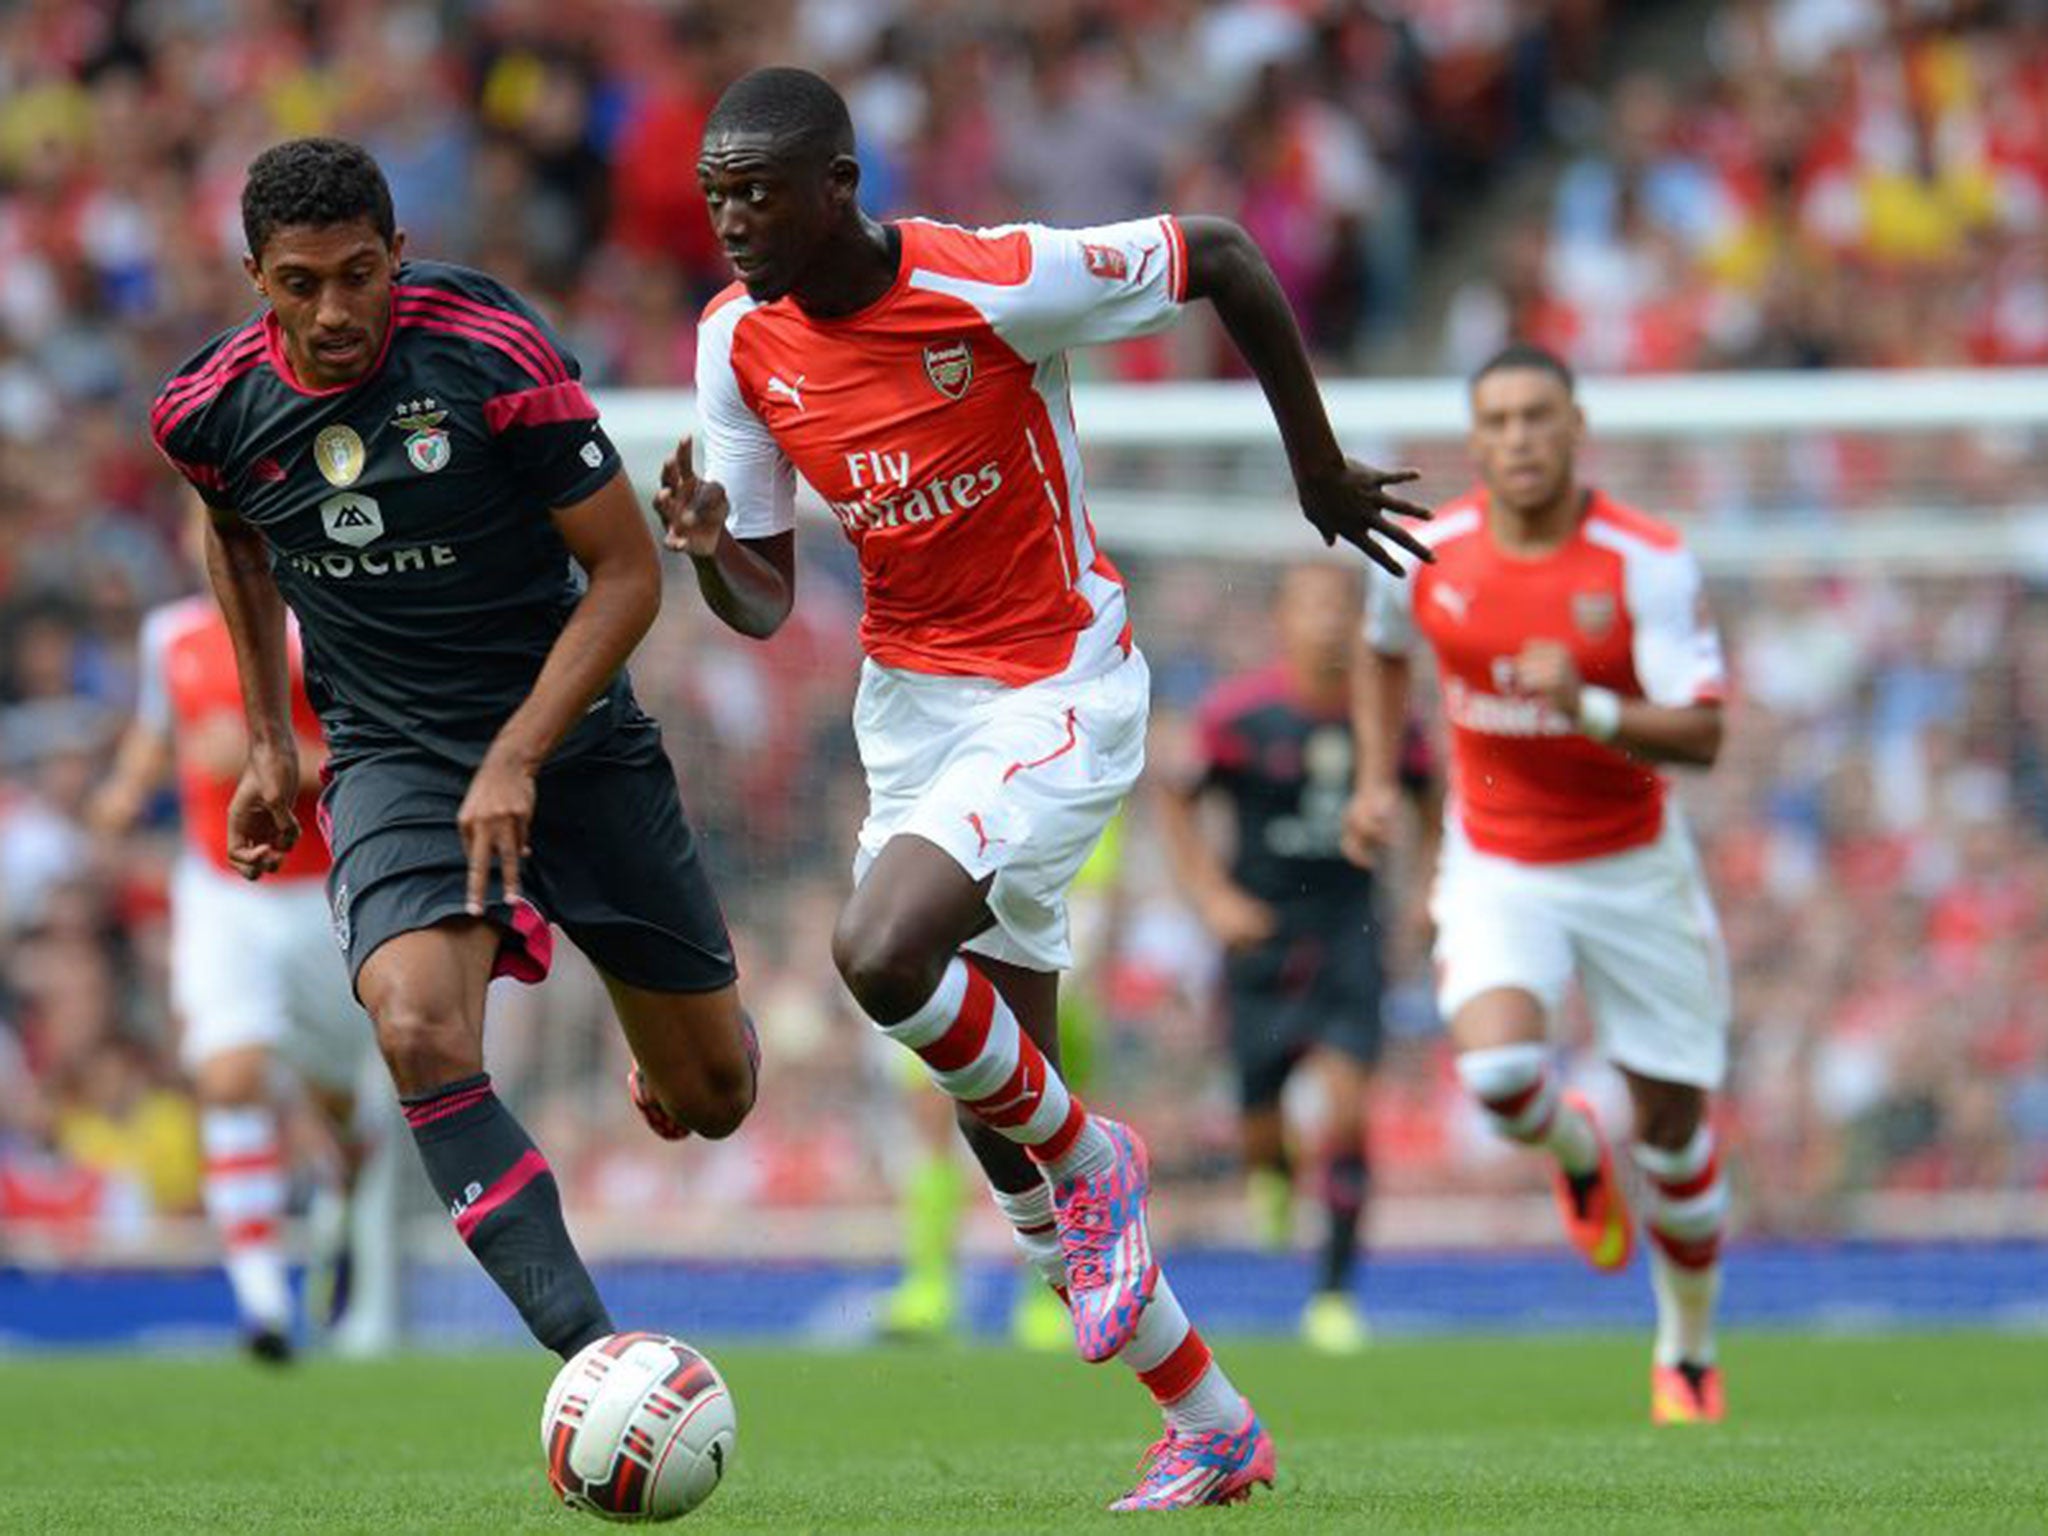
(793,105)
(314,181)
(1526,354)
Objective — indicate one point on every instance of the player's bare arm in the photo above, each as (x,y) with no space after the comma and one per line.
(1343,497)
(1380,689)
(1688,734)
(1234,917)
(142,758)
(748,583)
(262,827)
(608,537)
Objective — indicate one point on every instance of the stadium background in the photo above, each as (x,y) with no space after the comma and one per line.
(1674,187)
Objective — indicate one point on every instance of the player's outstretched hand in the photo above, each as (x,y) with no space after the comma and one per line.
(494,821)
(1355,506)
(262,827)
(1369,823)
(692,511)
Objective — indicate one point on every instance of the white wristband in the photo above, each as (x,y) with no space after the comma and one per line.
(1599,712)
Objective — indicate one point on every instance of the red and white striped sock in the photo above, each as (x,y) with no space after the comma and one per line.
(1166,1353)
(1517,1087)
(1035,1232)
(245,1199)
(1170,1357)
(971,1043)
(1686,1212)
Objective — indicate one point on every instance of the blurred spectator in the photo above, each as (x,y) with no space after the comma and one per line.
(1851,182)
(117,1117)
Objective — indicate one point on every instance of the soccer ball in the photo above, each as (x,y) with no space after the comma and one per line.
(638,1426)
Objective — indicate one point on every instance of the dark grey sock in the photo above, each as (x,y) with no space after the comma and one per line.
(502,1196)
(1345,1182)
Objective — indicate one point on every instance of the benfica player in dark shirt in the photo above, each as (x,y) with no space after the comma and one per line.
(1297,920)
(402,453)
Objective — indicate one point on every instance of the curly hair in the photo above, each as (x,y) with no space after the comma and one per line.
(317,182)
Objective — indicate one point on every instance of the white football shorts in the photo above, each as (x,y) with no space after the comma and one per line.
(1012,782)
(254,963)
(1637,929)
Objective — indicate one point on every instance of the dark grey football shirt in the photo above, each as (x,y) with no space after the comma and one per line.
(1286,769)
(407,513)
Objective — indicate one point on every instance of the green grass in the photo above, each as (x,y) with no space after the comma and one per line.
(1921,1434)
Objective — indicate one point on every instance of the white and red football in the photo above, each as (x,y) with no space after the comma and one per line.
(637,1426)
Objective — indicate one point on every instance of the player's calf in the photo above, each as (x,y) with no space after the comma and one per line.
(1686,1214)
(1519,1092)
(708,1096)
(1517,1088)
(1346,1180)
(975,1050)
(245,1194)
(1687,1200)
(501,1195)
(895,948)
(1201,1406)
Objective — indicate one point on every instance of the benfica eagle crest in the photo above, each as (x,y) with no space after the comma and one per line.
(427,443)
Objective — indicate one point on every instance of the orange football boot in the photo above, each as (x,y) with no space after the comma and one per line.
(1686,1394)
(1595,1211)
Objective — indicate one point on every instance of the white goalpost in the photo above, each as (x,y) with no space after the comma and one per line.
(1679,422)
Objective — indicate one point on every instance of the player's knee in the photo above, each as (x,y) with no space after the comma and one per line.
(1344,1129)
(888,972)
(725,1099)
(711,1097)
(230,1078)
(1265,1138)
(1669,1120)
(423,1047)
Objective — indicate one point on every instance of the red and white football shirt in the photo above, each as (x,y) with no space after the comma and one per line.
(188,685)
(936,425)
(1623,594)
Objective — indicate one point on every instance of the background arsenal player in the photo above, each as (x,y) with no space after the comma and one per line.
(255,981)
(915,375)
(1574,654)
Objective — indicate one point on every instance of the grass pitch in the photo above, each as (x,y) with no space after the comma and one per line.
(1919,1434)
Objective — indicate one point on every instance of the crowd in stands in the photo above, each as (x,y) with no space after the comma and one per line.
(1841,183)
(1879,832)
